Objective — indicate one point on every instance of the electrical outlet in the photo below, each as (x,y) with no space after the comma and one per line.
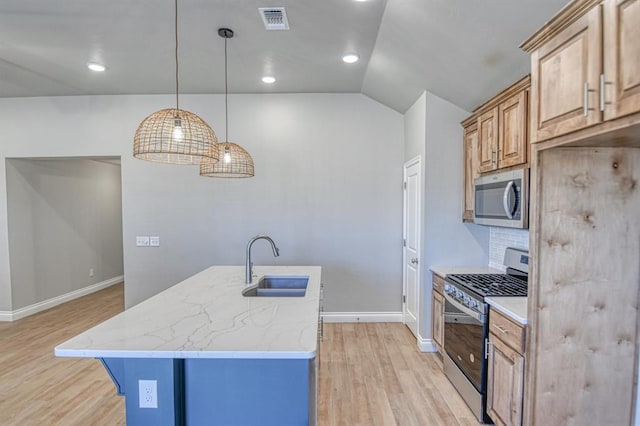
(154,241)
(148,393)
(142,241)
(91,272)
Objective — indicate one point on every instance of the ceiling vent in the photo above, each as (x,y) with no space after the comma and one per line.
(274,18)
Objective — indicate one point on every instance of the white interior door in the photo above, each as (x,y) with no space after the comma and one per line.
(411,244)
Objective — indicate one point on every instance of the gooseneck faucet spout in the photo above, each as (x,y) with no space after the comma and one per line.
(249,263)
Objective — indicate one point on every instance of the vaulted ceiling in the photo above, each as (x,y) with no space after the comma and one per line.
(461,50)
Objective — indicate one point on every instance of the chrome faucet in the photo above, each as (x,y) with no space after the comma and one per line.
(249,263)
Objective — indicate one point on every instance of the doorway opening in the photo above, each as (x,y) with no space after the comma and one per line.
(64,218)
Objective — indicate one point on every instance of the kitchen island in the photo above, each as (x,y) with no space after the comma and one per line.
(202,353)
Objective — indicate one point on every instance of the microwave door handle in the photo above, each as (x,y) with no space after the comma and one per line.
(506,198)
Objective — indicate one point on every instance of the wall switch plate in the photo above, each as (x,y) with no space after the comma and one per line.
(142,241)
(154,241)
(91,272)
(148,393)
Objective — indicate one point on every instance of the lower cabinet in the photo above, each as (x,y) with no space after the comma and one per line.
(437,308)
(505,377)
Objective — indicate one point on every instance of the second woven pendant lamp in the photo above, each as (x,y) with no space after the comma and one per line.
(234,160)
(174,135)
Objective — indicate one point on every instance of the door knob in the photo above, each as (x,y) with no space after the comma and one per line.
(414,260)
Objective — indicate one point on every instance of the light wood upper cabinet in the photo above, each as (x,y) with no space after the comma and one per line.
(502,134)
(505,374)
(470,169)
(565,74)
(488,140)
(496,136)
(621,79)
(502,129)
(512,131)
(573,84)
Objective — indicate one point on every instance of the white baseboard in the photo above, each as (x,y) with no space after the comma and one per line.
(362,317)
(426,345)
(58,300)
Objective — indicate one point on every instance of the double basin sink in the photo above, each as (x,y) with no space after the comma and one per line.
(278,286)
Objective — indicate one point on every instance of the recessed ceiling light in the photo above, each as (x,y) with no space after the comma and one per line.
(94,66)
(350,58)
(268,79)
(361,0)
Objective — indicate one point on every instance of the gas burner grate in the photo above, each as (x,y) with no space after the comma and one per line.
(491,284)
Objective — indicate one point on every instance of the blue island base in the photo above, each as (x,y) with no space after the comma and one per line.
(243,392)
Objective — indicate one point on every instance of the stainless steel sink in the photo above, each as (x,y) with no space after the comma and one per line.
(278,286)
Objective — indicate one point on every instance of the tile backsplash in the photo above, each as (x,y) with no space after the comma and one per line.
(500,239)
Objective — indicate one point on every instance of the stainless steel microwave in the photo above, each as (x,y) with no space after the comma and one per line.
(502,199)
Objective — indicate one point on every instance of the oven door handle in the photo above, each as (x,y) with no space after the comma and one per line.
(473,314)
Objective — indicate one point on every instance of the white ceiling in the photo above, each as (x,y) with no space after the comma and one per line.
(461,50)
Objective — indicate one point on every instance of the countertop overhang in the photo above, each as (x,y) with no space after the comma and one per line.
(206,316)
(443,271)
(513,307)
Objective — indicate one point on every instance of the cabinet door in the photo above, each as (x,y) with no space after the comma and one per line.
(470,169)
(505,380)
(488,141)
(437,329)
(512,125)
(565,76)
(621,79)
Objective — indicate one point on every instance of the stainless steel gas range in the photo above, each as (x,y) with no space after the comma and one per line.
(466,325)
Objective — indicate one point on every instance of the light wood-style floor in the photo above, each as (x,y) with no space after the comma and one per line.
(36,388)
(370,374)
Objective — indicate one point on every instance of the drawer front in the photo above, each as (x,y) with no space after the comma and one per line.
(438,284)
(508,331)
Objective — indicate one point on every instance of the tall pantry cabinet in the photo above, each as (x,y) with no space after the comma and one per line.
(583,323)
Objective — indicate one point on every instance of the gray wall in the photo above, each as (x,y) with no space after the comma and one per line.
(65,217)
(415,131)
(446,240)
(327,187)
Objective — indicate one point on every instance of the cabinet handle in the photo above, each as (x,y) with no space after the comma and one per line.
(585,101)
(503,330)
(601,92)
(585,107)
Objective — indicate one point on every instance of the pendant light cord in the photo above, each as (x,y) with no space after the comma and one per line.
(176,54)
(226,96)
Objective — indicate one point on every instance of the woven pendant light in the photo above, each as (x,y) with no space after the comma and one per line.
(234,160)
(173,135)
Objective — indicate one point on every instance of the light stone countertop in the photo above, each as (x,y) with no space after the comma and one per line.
(443,271)
(206,316)
(513,307)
